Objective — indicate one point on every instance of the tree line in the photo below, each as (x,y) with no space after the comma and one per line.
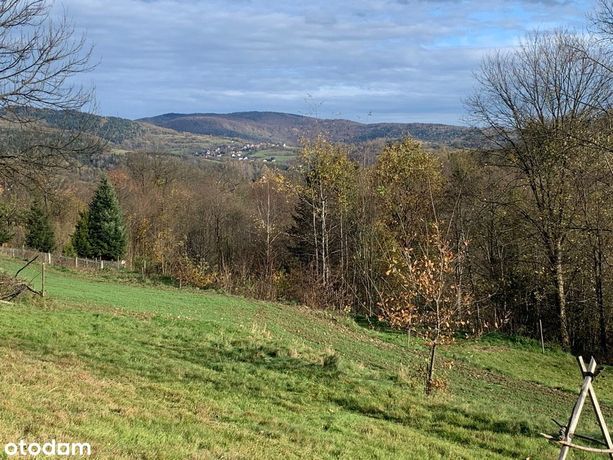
(434,242)
(99,232)
(504,237)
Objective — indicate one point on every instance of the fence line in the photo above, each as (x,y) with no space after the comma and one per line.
(54,259)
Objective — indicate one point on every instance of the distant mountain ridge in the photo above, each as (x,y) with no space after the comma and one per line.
(290,128)
(112,129)
(263,134)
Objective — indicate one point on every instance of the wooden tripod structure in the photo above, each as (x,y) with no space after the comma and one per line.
(567,432)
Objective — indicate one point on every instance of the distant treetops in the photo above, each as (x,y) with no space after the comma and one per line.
(100,230)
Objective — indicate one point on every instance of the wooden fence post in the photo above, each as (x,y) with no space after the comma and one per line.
(542,341)
(42,279)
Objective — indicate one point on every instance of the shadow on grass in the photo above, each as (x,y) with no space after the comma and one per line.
(274,358)
(218,356)
(454,424)
(373,323)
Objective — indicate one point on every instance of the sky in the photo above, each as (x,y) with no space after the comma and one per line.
(364,60)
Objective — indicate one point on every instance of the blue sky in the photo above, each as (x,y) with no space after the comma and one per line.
(366,60)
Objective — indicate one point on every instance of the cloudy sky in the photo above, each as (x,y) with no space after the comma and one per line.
(366,60)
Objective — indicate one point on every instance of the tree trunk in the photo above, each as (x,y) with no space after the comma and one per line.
(431,366)
(342,236)
(315,239)
(324,238)
(600,297)
(269,268)
(561,297)
(459,272)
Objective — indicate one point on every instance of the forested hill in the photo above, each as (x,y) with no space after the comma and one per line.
(290,128)
(267,127)
(120,133)
(113,129)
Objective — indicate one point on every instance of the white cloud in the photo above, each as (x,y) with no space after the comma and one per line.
(396,59)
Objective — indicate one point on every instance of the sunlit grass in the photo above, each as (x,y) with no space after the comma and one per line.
(145,371)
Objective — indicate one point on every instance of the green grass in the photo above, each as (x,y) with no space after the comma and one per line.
(281,155)
(147,372)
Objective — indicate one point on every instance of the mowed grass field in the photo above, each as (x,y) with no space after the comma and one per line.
(152,372)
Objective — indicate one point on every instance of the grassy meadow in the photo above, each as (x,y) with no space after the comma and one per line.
(144,371)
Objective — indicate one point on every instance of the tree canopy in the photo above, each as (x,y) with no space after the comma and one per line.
(40,235)
(106,230)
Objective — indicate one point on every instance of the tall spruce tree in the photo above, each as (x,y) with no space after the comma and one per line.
(40,234)
(80,237)
(107,235)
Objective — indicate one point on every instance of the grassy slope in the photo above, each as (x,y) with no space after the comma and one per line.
(149,372)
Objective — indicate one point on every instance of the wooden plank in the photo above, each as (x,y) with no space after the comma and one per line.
(581,436)
(601,421)
(576,446)
(574,418)
(542,340)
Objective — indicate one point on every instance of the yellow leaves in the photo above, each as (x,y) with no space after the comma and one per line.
(328,172)
(189,272)
(421,288)
(404,166)
(276,181)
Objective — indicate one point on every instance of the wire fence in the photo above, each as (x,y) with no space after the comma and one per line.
(78,263)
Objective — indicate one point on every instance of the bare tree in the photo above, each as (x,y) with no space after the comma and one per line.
(542,105)
(602,19)
(38,58)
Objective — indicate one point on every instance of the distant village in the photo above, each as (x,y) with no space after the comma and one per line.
(244,152)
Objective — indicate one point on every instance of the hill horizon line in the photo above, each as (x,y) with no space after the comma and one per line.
(296,115)
(281,127)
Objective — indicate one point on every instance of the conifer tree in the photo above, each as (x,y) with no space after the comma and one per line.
(107,235)
(40,234)
(80,237)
